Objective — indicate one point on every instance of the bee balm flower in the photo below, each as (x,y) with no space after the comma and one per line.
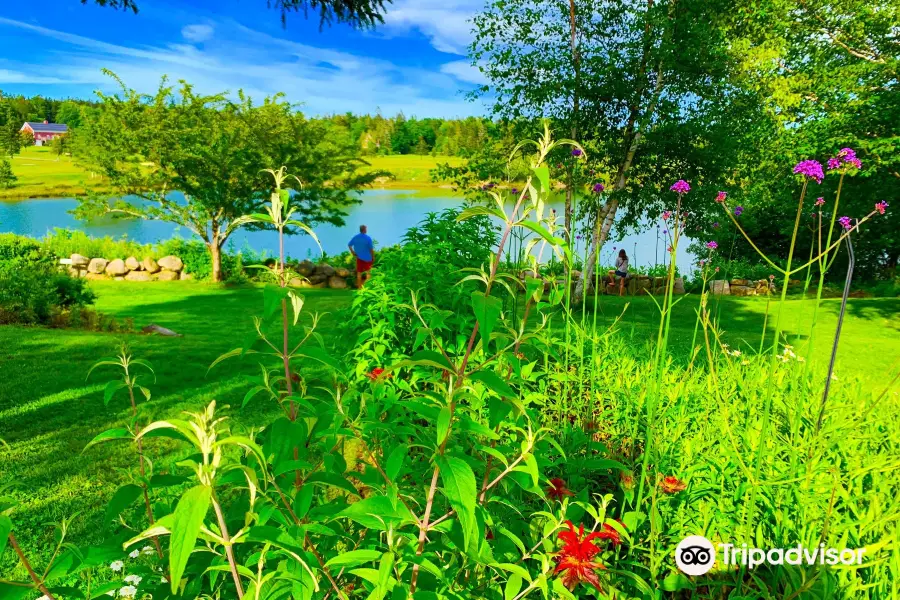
(720,197)
(811,169)
(680,187)
(576,558)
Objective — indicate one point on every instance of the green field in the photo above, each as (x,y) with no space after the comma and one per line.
(48,411)
(41,174)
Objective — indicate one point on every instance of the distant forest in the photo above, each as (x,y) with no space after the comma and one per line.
(372,134)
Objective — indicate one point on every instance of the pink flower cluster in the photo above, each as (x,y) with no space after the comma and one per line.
(845,222)
(712,245)
(846,156)
(820,201)
(666,214)
(881,207)
(680,187)
(720,197)
(811,169)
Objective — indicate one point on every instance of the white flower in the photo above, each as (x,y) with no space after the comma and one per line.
(736,353)
(134,554)
(147,550)
(133,579)
(128,591)
(116,565)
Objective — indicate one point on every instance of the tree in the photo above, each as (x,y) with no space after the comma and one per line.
(11,138)
(69,113)
(653,83)
(212,151)
(59,145)
(7,177)
(358,13)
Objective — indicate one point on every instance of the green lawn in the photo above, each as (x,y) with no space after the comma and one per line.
(48,412)
(41,174)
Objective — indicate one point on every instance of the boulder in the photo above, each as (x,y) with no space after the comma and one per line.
(326,270)
(719,287)
(138,276)
(679,286)
(150,265)
(116,267)
(79,261)
(337,283)
(576,274)
(75,272)
(318,286)
(95,276)
(298,282)
(166,275)
(305,268)
(317,279)
(97,266)
(743,282)
(742,290)
(762,287)
(119,278)
(171,263)
(132,264)
(342,272)
(659,281)
(186,276)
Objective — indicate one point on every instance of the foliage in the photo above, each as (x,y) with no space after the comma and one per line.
(7,177)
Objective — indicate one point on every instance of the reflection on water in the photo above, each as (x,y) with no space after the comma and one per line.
(387,213)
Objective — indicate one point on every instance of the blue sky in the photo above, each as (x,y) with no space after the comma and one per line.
(415,63)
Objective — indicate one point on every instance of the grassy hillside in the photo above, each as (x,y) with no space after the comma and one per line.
(44,175)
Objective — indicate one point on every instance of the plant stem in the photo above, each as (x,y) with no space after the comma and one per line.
(34,577)
(229,550)
(140,449)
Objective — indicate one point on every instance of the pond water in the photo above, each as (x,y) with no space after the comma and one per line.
(387,213)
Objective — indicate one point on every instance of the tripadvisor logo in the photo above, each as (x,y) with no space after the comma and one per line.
(695,555)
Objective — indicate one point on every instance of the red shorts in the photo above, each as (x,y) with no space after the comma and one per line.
(363,265)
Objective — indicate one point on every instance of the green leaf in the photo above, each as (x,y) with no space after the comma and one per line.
(303,501)
(332,479)
(513,585)
(474,211)
(395,462)
(189,515)
(273,295)
(542,174)
(376,512)
(384,570)
(534,288)
(5,529)
(111,388)
(443,424)
(123,497)
(493,382)
(353,558)
(428,358)
(676,582)
(487,310)
(108,436)
(319,354)
(15,592)
(460,490)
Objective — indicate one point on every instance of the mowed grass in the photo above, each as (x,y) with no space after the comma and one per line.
(48,412)
(41,174)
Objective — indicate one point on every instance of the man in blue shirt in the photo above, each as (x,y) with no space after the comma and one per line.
(363,249)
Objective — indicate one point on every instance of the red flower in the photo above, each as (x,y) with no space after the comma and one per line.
(627,480)
(576,558)
(672,485)
(558,489)
(489,535)
(377,373)
(610,533)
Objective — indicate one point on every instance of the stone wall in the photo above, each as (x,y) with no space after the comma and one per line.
(741,287)
(167,268)
(320,276)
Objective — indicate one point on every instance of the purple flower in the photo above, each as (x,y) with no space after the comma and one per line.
(598,187)
(845,222)
(576,152)
(855,162)
(614,247)
(680,187)
(846,156)
(578,237)
(665,231)
(666,214)
(720,197)
(834,163)
(811,169)
(716,225)
(881,207)
(712,245)
(738,210)
(514,190)
(820,201)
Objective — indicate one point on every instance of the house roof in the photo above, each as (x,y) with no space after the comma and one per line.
(47,127)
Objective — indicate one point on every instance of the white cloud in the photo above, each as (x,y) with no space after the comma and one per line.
(8,76)
(197,33)
(324,80)
(464,71)
(447,23)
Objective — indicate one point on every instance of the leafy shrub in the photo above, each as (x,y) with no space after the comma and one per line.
(7,177)
(63,243)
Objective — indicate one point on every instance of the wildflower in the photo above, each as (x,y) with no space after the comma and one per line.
(738,210)
(845,222)
(558,489)
(559,165)
(717,269)
(680,187)
(489,535)
(128,591)
(576,558)
(576,152)
(834,377)
(801,359)
(672,485)
(116,565)
(614,248)
(716,225)
(720,197)
(834,163)
(514,190)
(627,480)
(134,554)
(771,277)
(712,245)
(745,362)
(670,249)
(811,169)
(578,237)
(610,533)
(377,373)
(702,262)
(147,550)
(133,579)
(735,352)
(665,231)
(598,187)
(881,207)
(666,214)
(820,201)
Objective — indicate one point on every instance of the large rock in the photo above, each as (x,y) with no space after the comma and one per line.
(171,263)
(166,275)
(740,282)
(342,272)
(762,287)
(337,283)
(79,261)
(138,276)
(298,282)
(326,270)
(719,287)
(305,268)
(185,276)
(150,265)
(742,290)
(97,266)
(132,264)
(317,279)
(95,276)
(74,272)
(679,286)
(116,267)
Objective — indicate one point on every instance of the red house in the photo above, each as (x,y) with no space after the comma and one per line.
(44,132)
